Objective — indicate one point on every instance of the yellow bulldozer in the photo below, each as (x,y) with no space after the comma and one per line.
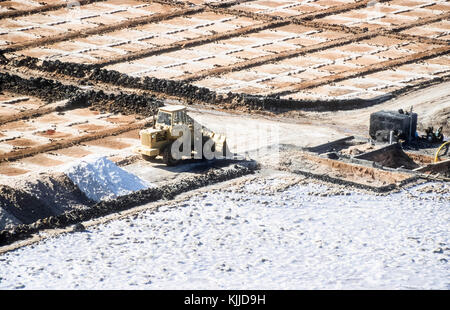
(175,135)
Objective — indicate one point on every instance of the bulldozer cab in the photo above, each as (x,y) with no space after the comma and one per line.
(171,116)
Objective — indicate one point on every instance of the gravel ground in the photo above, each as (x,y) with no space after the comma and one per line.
(254,235)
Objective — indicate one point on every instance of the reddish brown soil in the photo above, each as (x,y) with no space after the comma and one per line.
(17,126)
(123,119)
(90,127)
(23,115)
(52,118)
(132,134)
(22,142)
(54,134)
(336,68)
(358,173)
(111,143)
(74,151)
(65,143)
(420,159)
(43,160)
(11,171)
(85,112)
(6,112)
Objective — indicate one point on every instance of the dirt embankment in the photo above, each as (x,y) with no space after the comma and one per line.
(51,90)
(182,90)
(343,173)
(7,219)
(392,157)
(58,192)
(22,205)
(166,191)
(48,90)
(436,119)
(49,195)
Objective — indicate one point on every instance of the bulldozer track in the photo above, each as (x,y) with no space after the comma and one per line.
(365,70)
(100,29)
(190,43)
